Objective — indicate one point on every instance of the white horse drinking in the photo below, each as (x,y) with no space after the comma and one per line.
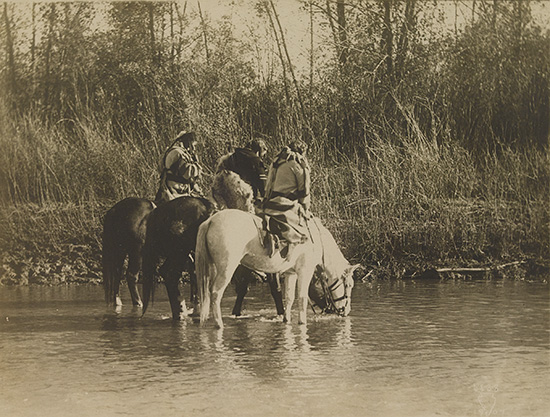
(232,237)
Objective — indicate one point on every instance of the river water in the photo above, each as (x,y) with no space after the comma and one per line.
(449,348)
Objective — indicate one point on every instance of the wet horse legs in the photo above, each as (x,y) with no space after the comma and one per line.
(290,293)
(274,281)
(242,278)
(291,281)
(171,272)
(132,272)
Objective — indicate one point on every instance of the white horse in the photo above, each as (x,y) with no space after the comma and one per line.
(232,237)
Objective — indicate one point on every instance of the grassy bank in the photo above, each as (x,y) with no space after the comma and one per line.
(399,206)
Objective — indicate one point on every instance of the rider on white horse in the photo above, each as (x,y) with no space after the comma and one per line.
(287,201)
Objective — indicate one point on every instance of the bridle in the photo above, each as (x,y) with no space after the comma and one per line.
(329,297)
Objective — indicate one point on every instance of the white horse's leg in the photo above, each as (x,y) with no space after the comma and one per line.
(302,300)
(305,275)
(223,278)
(290,293)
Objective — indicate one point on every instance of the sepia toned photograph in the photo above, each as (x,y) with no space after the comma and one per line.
(271,208)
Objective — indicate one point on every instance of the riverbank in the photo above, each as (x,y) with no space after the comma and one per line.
(398,206)
(68,263)
(59,245)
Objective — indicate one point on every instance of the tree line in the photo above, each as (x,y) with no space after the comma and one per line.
(153,66)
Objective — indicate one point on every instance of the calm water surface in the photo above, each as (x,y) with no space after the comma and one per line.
(453,348)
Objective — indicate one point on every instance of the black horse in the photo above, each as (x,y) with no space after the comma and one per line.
(134,229)
(124,229)
(171,236)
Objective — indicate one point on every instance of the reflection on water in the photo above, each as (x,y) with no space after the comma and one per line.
(453,348)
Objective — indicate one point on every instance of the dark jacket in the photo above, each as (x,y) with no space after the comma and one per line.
(248,165)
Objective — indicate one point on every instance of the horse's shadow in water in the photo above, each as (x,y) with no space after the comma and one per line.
(161,240)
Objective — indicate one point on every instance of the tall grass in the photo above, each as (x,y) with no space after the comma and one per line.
(420,204)
(397,203)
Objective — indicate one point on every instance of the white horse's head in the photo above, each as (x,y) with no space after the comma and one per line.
(333,279)
(332,292)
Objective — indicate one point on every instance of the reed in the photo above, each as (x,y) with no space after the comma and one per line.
(399,202)
(418,205)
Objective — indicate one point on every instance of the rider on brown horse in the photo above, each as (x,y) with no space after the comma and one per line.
(180,169)
(247,163)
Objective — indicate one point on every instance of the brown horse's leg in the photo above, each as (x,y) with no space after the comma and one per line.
(171,272)
(194,292)
(117,267)
(177,303)
(134,266)
(241,278)
(274,281)
(113,264)
(189,266)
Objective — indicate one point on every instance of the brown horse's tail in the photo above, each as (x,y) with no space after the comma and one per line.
(148,276)
(111,266)
(204,269)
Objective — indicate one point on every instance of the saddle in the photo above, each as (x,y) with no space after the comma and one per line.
(274,236)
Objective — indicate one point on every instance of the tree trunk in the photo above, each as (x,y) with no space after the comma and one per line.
(203,24)
(294,80)
(281,58)
(172,39)
(387,38)
(407,28)
(12,88)
(333,28)
(49,45)
(154,58)
(33,50)
(181,25)
(342,32)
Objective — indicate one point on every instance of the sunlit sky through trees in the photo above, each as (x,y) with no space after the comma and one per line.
(294,15)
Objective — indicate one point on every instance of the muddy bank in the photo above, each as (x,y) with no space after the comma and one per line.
(81,264)
(63,264)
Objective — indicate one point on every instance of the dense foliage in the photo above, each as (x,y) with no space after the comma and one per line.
(429,130)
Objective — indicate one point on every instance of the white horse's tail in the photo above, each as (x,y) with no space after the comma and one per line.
(204,269)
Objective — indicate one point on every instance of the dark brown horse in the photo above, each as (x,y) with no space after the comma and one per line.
(170,232)
(173,228)
(170,240)
(124,229)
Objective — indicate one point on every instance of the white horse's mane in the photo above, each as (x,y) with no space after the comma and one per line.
(334,261)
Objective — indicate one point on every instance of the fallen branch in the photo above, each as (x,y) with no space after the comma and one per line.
(481,269)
